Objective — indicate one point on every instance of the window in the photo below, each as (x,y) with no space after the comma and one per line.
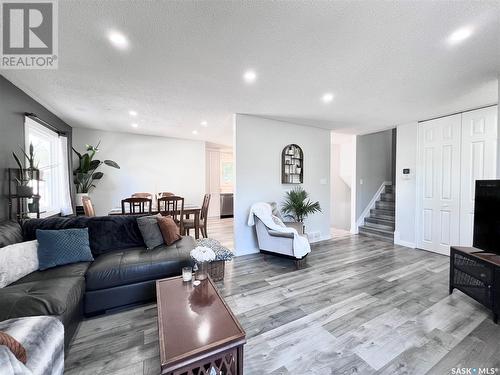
(51,155)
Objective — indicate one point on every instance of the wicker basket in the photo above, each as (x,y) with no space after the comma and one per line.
(216,270)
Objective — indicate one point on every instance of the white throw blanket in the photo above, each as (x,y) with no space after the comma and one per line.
(264,212)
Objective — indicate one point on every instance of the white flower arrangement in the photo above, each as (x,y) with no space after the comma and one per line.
(202,254)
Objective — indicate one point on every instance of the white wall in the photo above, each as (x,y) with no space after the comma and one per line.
(148,164)
(342,168)
(373,166)
(257,147)
(406,185)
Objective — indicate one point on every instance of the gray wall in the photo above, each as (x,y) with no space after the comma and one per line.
(373,166)
(13,104)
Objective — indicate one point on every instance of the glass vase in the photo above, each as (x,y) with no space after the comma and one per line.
(202,273)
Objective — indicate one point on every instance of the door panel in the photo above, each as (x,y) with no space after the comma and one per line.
(479,155)
(439,191)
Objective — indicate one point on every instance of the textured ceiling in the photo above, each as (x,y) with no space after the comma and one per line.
(386,63)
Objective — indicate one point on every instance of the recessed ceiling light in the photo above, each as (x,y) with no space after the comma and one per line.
(132,113)
(250,76)
(117,39)
(460,35)
(327,97)
(134,125)
(195,132)
(204,124)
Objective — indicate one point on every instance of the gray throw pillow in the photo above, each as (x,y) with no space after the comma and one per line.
(148,225)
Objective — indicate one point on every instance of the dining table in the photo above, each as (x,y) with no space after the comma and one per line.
(188,210)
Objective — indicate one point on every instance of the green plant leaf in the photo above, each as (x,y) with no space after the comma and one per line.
(97,175)
(111,163)
(298,206)
(17,160)
(77,153)
(94,164)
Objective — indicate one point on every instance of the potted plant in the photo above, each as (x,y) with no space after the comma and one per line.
(298,206)
(25,174)
(86,173)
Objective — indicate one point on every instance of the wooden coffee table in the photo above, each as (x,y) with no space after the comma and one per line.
(198,333)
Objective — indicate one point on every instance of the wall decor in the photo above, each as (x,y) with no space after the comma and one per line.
(292,165)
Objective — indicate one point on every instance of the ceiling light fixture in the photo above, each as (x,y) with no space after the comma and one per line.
(460,35)
(327,97)
(118,40)
(250,76)
(195,132)
(204,124)
(134,125)
(132,113)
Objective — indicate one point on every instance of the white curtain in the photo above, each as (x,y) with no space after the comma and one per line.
(65,196)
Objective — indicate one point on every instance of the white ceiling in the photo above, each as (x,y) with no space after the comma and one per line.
(386,63)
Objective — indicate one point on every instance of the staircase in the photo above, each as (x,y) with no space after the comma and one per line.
(381,222)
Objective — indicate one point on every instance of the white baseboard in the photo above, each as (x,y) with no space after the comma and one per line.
(398,241)
(366,211)
(322,238)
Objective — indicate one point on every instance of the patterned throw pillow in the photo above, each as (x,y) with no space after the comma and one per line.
(169,230)
(14,346)
(63,246)
(17,261)
(148,225)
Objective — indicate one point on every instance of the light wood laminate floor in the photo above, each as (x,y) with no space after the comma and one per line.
(361,306)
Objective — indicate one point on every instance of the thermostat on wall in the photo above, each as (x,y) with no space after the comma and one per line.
(406,171)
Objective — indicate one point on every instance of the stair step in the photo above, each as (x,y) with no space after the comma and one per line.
(389,189)
(382,214)
(387,197)
(374,222)
(385,205)
(378,233)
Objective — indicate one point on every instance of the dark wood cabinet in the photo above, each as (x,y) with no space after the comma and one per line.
(477,274)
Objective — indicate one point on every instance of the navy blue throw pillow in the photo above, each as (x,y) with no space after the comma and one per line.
(63,246)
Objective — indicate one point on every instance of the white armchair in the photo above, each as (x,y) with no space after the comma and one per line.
(278,243)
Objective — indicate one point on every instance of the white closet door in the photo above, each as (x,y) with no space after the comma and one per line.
(439,184)
(479,155)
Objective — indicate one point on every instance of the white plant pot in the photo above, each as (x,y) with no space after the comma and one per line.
(78,198)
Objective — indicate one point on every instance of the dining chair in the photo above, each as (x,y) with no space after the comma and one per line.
(136,206)
(190,223)
(172,206)
(88,208)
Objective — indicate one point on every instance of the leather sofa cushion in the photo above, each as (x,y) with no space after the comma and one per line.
(69,270)
(106,233)
(138,264)
(47,297)
(10,233)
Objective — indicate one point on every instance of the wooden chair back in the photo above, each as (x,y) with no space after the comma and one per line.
(204,207)
(172,206)
(204,215)
(136,206)
(165,194)
(88,208)
(142,195)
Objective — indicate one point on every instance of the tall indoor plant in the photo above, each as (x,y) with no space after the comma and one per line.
(298,206)
(86,174)
(26,174)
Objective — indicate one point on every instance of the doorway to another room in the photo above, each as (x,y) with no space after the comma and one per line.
(220,185)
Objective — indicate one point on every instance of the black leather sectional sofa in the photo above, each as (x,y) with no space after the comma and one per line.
(123,272)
